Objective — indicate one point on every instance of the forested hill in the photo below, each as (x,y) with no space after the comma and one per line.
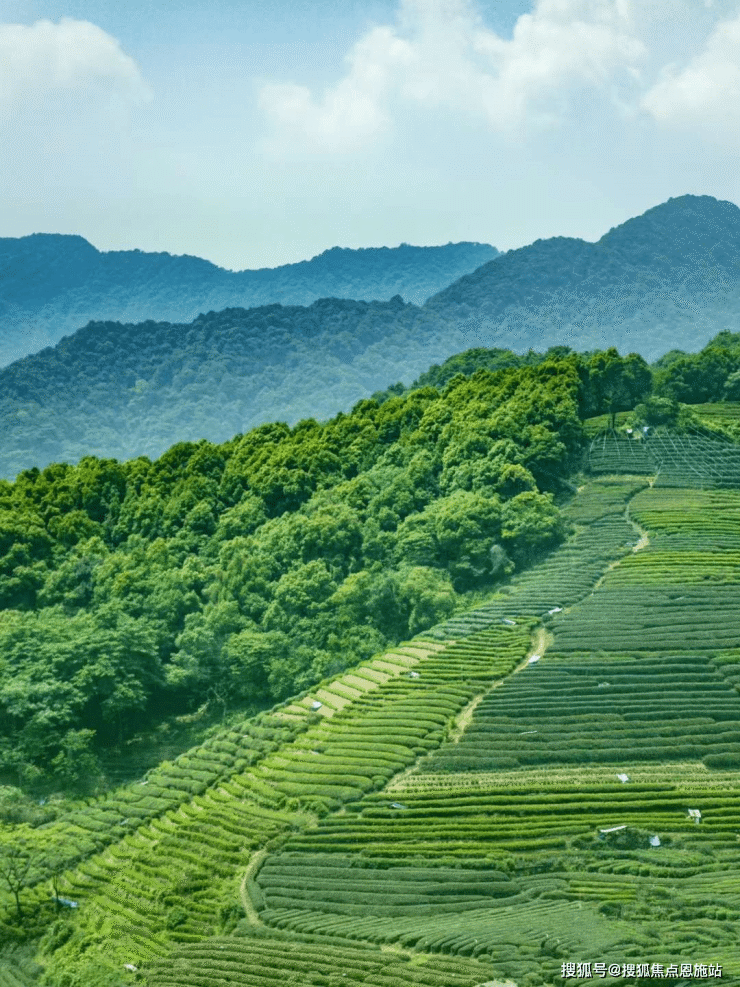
(52,284)
(126,391)
(669,278)
(129,390)
(237,574)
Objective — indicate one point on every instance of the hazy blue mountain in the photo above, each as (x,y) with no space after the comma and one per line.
(51,284)
(122,390)
(669,278)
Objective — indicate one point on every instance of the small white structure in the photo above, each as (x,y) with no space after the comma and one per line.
(67,903)
(555,610)
(534,659)
(695,814)
(414,675)
(397,805)
(316,704)
(525,732)
(613,829)
(603,685)
(509,623)
(623,778)
(130,967)
(654,841)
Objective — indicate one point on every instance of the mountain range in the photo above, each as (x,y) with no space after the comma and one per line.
(51,284)
(669,279)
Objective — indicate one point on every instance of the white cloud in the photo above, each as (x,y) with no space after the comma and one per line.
(45,59)
(352,111)
(440,54)
(705,92)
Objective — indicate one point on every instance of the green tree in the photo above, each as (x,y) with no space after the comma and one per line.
(428,596)
(466,525)
(76,765)
(731,387)
(250,657)
(616,383)
(200,646)
(16,860)
(300,594)
(530,523)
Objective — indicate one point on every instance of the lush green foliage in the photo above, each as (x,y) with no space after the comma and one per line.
(713,374)
(466,363)
(507,772)
(236,369)
(238,574)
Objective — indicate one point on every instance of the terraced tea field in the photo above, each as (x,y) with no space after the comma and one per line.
(602,534)
(557,826)
(674,460)
(552,778)
(723,413)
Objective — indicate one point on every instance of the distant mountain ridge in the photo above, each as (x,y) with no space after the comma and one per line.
(666,280)
(52,284)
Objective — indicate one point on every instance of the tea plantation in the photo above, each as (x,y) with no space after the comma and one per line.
(675,460)
(550,779)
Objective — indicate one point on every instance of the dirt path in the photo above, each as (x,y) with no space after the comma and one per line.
(644,536)
(249,910)
(541,641)
(463,718)
(642,542)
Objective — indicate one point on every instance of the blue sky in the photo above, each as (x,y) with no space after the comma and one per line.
(261,133)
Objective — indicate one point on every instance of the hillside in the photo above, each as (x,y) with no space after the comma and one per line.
(215,582)
(132,390)
(234,574)
(667,279)
(532,792)
(52,284)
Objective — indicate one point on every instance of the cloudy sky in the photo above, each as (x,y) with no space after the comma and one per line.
(261,132)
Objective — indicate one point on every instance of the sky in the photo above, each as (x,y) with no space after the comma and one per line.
(263,132)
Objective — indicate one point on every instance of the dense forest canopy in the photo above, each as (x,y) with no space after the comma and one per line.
(712,374)
(237,574)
